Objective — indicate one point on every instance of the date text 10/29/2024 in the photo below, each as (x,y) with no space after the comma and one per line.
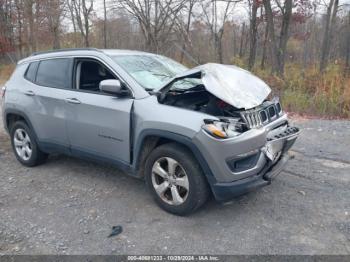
(173,258)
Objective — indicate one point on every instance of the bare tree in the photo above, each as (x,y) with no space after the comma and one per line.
(286,11)
(104,24)
(271,36)
(241,45)
(205,29)
(347,56)
(215,20)
(264,51)
(82,12)
(29,14)
(155,18)
(54,10)
(7,40)
(19,6)
(72,18)
(253,33)
(184,25)
(278,51)
(332,9)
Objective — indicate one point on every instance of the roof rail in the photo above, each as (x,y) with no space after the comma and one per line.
(65,49)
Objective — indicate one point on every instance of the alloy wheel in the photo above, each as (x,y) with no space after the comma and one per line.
(170,181)
(22,144)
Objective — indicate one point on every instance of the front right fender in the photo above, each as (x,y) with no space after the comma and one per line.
(178,138)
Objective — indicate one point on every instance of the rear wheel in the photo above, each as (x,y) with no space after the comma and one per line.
(175,179)
(25,146)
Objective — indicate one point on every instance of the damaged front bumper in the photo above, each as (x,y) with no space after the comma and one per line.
(249,161)
(226,191)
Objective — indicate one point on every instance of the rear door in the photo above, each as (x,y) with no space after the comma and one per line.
(98,124)
(47,89)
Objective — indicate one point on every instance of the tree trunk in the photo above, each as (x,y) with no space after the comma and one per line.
(271,37)
(234,42)
(253,35)
(86,39)
(20,28)
(313,38)
(219,51)
(218,46)
(347,59)
(241,52)
(30,15)
(187,32)
(332,10)
(104,24)
(284,34)
(56,37)
(86,25)
(264,53)
(37,22)
(306,51)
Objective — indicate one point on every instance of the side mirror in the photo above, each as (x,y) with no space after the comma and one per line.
(113,86)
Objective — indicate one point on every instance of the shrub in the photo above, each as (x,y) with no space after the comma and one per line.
(306,91)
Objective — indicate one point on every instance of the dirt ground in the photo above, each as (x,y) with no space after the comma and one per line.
(68,206)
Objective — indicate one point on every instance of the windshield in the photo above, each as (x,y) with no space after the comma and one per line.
(152,72)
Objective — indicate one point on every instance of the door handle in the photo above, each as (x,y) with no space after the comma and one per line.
(29,93)
(72,101)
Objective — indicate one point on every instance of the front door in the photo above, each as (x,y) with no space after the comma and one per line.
(98,124)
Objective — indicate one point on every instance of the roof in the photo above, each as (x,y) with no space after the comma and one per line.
(112,52)
(81,51)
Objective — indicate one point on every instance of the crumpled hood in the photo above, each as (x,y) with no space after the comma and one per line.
(231,84)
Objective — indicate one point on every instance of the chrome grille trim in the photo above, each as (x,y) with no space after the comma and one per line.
(253,117)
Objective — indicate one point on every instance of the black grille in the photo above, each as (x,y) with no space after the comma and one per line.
(289,131)
(262,115)
(272,111)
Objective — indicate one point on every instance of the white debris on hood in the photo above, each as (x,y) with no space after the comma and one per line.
(234,85)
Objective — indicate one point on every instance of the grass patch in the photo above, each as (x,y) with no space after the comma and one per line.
(306,91)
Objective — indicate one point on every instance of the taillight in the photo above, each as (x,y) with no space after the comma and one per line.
(3,90)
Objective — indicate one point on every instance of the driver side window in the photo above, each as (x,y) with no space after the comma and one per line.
(89,73)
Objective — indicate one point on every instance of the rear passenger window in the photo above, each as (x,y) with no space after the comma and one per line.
(31,71)
(54,73)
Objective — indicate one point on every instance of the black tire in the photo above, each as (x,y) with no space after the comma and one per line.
(37,156)
(198,192)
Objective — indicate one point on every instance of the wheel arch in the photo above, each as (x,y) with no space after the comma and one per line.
(149,139)
(13,115)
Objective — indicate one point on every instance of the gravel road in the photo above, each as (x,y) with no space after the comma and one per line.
(68,206)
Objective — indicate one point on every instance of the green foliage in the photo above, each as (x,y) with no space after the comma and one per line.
(306,91)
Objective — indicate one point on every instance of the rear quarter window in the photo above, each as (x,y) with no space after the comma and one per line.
(31,71)
(54,73)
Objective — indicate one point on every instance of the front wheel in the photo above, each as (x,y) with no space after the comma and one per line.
(175,179)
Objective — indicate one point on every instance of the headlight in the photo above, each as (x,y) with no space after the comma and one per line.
(224,128)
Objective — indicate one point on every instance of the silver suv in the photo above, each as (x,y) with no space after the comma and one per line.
(188,133)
